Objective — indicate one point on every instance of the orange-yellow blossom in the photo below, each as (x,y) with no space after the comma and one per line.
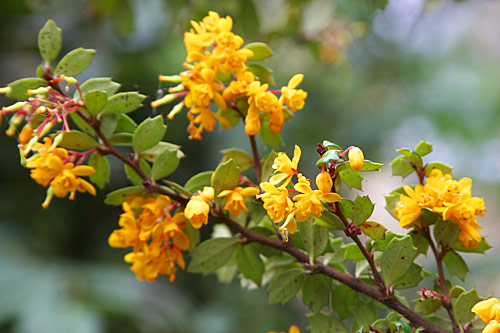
(276,201)
(285,168)
(492,327)
(234,199)
(293,98)
(198,209)
(488,309)
(409,206)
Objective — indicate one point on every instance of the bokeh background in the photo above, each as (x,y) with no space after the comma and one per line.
(380,75)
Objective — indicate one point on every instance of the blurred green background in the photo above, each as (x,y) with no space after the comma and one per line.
(380,75)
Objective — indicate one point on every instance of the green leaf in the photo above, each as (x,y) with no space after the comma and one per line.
(133,176)
(423,148)
(152,153)
(125,124)
(445,169)
(242,159)
(193,235)
(456,264)
(269,139)
(419,242)
(353,252)
(328,157)
(347,207)
(101,165)
(363,209)
(267,165)
(249,263)
(370,166)
(411,278)
(263,73)
(397,258)
(373,229)
(260,50)
(178,188)
(392,199)
(330,221)
(412,156)
(19,88)
(95,101)
(230,114)
(81,123)
(316,292)
(344,301)
(76,140)
(74,62)
(428,216)
(285,286)
(456,291)
(401,167)
(441,322)
(331,145)
(148,133)
(211,255)
(199,181)
(98,83)
(446,232)
(315,238)
(116,197)
(49,41)
(427,306)
(463,304)
(121,139)
(480,248)
(165,164)
(108,124)
(124,102)
(324,323)
(226,176)
(352,178)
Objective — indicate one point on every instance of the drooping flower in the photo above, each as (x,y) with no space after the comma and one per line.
(276,201)
(234,199)
(409,206)
(198,209)
(291,97)
(356,158)
(285,168)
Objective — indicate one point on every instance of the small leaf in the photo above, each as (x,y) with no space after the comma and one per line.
(344,301)
(392,199)
(351,178)
(124,102)
(199,181)
(369,166)
(423,148)
(267,165)
(347,207)
(260,51)
(428,216)
(211,255)
(313,237)
(353,252)
(74,62)
(152,153)
(116,197)
(98,83)
(178,188)
(397,258)
(121,139)
(81,123)
(316,292)
(49,41)
(373,229)
(125,124)
(263,73)
(76,140)
(456,291)
(323,323)
(412,156)
(242,159)
(331,145)
(419,242)
(446,232)
(269,139)
(226,176)
(330,221)
(101,165)
(249,263)
(480,248)
(445,169)
(456,265)
(441,322)
(463,305)
(401,167)
(19,88)
(148,133)
(108,124)
(132,174)
(363,209)
(427,306)
(95,101)
(411,278)
(328,157)
(285,286)
(165,164)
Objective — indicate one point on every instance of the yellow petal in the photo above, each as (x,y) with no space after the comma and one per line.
(330,197)
(250,191)
(295,80)
(296,156)
(83,170)
(278,178)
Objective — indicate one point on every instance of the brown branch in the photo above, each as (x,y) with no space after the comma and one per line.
(256,158)
(320,268)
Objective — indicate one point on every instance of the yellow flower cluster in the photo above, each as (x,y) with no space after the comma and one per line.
(489,311)
(279,204)
(215,53)
(198,209)
(156,237)
(50,168)
(447,196)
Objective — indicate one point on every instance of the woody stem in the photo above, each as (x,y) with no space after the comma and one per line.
(256,159)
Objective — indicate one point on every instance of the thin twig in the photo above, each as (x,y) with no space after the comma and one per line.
(256,158)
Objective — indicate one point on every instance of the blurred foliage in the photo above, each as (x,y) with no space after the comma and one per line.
(378,74)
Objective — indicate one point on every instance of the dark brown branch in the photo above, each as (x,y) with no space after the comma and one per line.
(256,158)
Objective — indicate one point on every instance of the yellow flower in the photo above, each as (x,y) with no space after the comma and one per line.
(292,329)
(469,236)
(448,189)
(236,60)
(234,199)
(487,310)
(25,135)
(285,168)
(240,86)
(198,209)
(128,235)
(356,158)
(293,98)
(309,202)
(276,201)
(409,206)
(492,327)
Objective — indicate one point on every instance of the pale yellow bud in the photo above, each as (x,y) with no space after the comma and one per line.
(356,158)
(170,78)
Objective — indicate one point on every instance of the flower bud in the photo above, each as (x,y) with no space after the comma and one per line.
(356,158)
(164,100)
(324,182)
(39,91)
(170,78)
(5,90)
(25,135)
(176,109)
